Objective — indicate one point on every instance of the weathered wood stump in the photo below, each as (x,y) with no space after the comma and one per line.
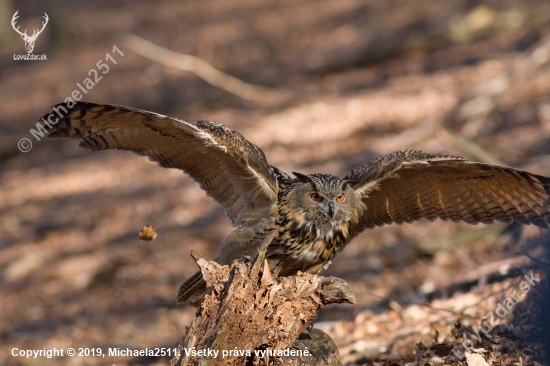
(249,318)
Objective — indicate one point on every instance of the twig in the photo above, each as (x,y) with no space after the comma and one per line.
(202,69)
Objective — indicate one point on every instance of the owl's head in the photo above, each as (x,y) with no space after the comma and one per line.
(324,198)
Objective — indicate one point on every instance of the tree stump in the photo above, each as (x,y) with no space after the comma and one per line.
(249,318)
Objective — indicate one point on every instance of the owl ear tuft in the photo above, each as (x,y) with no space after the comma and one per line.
(302,177)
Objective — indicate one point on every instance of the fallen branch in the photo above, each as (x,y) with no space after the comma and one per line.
(202,69)
(242,321)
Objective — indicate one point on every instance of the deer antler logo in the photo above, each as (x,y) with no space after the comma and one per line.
(29,41)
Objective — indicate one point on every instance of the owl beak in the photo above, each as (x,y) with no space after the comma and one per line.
(331,209)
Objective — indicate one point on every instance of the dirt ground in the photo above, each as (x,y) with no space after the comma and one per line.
(357,79)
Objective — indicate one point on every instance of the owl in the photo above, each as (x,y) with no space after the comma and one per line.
(311,217)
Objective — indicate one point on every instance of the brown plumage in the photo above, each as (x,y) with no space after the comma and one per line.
(313,216)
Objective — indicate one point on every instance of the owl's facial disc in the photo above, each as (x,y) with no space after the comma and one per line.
(324,198)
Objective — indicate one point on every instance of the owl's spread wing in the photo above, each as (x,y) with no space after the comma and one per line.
(407,185)
(229,168)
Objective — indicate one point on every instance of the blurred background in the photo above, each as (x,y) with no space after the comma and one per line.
(340,83)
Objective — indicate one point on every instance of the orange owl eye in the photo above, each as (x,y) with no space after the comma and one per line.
(316,197)
(341,197)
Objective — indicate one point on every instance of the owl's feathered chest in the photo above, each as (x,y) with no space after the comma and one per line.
(305,245)
(295,227)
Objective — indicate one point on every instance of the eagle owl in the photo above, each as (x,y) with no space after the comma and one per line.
(314,216)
